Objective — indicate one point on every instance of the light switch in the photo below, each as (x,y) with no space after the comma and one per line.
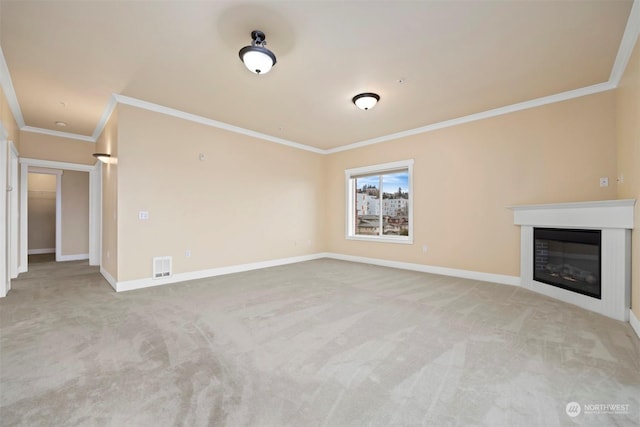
(143,215)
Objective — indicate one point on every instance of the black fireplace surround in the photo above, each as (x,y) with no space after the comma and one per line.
(568,259)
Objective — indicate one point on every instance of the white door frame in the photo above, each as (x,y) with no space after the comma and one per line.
(13,212)
(5,280)
(95,205)
(95,215)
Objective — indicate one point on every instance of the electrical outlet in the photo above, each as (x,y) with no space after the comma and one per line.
(187,253)
(143,215)
(604,181)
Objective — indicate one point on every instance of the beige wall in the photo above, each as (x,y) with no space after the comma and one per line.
(108,143)
(252,200)
(466,176)
(42,211)
(8,121)
(628,138)
(75,213)
(47,147)
(248,201)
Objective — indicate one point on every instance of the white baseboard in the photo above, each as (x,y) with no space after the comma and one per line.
(466,274)
(130,285)
(41,251)
(109,278)
(75,257)
(635,323)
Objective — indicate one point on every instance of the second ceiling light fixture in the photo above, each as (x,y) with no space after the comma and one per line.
(365,101)
(259,60)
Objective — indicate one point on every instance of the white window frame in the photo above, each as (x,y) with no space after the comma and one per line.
(385,168)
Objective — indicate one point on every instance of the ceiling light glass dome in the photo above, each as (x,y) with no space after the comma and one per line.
(365,101)
(257,58)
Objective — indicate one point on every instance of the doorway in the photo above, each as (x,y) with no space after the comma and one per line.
(43,192)
(58,214)
(85,247)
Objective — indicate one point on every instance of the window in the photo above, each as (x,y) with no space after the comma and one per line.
(380,202)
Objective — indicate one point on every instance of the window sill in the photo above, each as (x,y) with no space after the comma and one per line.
(386,239)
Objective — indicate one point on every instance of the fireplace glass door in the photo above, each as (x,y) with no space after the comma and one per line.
(568,259)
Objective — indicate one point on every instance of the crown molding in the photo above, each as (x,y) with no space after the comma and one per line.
(50,132)
(627,44)
(126,100)
(106,115)
(629,39)
(116,99)
(9,92)
(564,96)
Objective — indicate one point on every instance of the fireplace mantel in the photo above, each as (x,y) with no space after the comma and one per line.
(615,220)
(597,215)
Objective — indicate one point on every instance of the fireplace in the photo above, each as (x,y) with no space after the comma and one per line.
(568,259)
(579,253)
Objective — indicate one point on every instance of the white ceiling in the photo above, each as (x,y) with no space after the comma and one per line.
(455,58)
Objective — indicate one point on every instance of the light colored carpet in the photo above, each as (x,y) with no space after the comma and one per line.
(317,343)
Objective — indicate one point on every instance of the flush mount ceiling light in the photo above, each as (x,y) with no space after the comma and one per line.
(365,101)
(103,157)
(257,58)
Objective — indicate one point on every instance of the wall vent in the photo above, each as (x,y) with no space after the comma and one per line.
(161,267)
